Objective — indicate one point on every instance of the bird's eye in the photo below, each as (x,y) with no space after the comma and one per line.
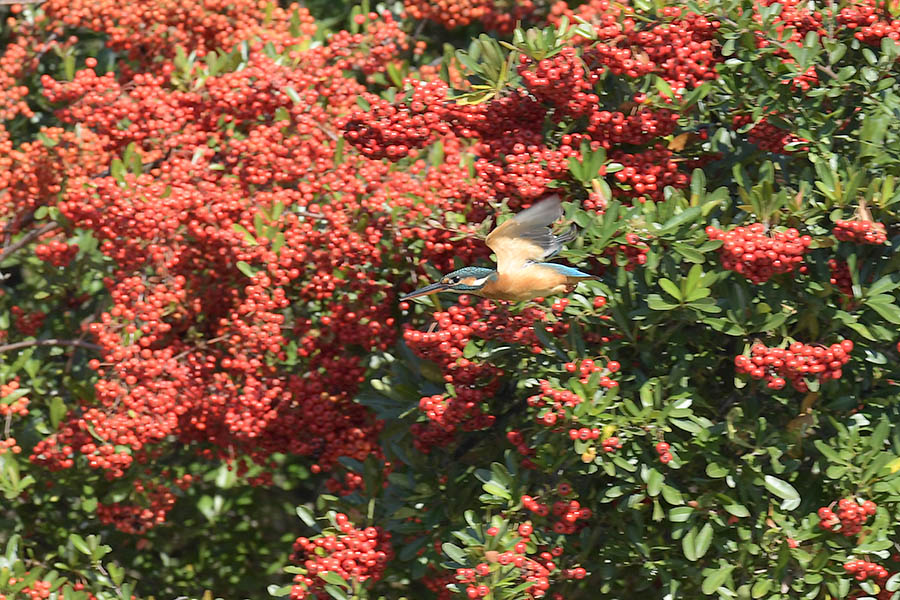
(453,280)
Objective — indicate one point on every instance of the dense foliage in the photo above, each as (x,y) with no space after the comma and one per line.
(208,211)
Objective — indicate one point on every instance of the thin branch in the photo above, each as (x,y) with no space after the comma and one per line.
(49,342)
(27,239)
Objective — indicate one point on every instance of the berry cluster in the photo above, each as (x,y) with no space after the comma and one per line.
(840,276)
(634,251)
(533,572)
(587,367)
(778,365)
(561,81)
(641,127)
(57,253)
(355,555)
(757,254)
(27,323)
(860,232)
(850,518)
(449,13)
(155,501)
(680,49)
(393,131)
(8,407)
(662,448)
(611,444)
(870,21)
(564,514)
(767,136)
(38,590)
(646,174)
(792,23)
(862,570)
(559,404)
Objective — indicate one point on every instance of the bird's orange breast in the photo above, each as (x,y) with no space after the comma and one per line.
(525,284)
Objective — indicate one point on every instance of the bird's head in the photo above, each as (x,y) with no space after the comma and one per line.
(467,279)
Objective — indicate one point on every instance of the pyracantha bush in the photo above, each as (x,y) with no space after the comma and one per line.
(208,212)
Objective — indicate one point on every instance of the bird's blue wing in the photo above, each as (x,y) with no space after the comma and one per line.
(567,270)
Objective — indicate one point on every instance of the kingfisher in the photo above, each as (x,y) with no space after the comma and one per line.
(521,245)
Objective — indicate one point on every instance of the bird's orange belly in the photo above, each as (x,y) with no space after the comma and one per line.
(527,284)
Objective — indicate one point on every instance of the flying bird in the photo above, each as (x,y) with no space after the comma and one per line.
(520,243)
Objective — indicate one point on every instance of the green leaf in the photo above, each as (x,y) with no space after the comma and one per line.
(680,219)
(761,587)
(703,541)
(672,495)
(336,592)
(689,544)
(79,544)
(714,580)
(655,302)
(245,268)
(249,237)
(306,516)
(784,490)
(294,96)
(495,489)
(884,306)
(58,410)
(333,578)
(455,553)
(738,510)
(670,288)
(654,482)
(680,514)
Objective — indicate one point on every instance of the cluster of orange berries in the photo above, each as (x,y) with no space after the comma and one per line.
(662,448)
(634,251)
(57,253)
(39,590)
(449,13)
(588,366)
(779,365)
(19,406)
(561,81)
(759,255)
(568,514)
(474,382)
(647,173)
(681,50)
(850,518)
(354,555)
(840,276)
(393,131)
(862,570)
(767,136)
(155,500)
(638,128)
(558,404)
(611,444)
(28,323)
(531,571)
(870,20)
(860,232)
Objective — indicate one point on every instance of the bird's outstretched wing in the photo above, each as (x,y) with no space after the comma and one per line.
(527,237)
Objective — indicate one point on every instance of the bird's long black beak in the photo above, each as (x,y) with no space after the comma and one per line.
(428,289)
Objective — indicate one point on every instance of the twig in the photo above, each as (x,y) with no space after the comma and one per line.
(49,342)
(26,239)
